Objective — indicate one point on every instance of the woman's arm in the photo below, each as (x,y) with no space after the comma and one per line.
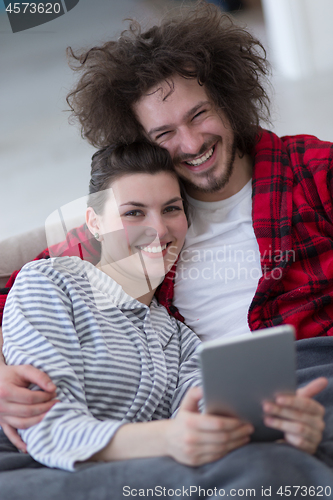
(41,332)
(191,438)
(46,337)
(195,439)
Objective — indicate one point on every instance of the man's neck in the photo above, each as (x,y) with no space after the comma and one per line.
(242,173)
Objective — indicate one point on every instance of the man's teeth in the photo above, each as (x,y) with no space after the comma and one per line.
(154,249)
(202,159)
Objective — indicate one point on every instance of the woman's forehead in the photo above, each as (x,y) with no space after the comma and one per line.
(145,186)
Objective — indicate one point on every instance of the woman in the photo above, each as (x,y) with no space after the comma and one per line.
(121,364)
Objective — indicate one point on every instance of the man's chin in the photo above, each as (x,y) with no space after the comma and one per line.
(212,186)
(209,182)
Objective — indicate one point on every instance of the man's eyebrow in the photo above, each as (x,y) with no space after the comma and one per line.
(142,205)
(187,115)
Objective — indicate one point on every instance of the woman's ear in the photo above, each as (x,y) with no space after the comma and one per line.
(93,223)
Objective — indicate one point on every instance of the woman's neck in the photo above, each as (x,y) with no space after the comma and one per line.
(139,289)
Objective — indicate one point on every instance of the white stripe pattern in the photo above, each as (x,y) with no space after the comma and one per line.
(113,359)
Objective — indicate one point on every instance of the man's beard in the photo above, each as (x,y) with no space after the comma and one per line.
(213,183)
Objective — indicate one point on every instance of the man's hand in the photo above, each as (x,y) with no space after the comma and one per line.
(300,417)
(20,407)
(196,439)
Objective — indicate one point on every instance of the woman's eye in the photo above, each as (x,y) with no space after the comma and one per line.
(172,209)
(133,213)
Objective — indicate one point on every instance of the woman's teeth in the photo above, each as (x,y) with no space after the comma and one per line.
(202,159)
(154,249)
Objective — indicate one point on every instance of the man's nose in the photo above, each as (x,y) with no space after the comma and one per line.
(190,142)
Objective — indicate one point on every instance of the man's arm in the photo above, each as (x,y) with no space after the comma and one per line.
(20,407)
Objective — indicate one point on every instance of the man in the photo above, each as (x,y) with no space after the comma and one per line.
(194,87)
(198,85)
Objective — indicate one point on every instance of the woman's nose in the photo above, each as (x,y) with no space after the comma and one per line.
(157,227)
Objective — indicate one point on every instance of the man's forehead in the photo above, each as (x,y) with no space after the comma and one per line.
(169,88)
(163,90)
(169,100)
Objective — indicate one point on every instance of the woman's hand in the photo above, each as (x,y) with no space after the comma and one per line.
(300,417)
(196,439)
(20,407)
(191,438)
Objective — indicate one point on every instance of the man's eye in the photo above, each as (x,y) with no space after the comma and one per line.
(198,114)
(162,135)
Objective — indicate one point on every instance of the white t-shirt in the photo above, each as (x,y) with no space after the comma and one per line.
(219,267)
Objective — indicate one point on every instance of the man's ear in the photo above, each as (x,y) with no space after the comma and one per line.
(93,223)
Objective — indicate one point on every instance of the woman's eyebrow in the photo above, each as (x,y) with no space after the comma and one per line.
(133,203)
(142,205)
(173,200)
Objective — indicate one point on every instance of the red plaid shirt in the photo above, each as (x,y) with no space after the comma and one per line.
(293,222)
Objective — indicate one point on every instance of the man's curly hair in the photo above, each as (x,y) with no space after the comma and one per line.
(200,42)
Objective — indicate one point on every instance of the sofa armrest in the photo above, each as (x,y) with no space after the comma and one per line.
(18,250)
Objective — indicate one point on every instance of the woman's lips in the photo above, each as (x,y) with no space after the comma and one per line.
(154,250)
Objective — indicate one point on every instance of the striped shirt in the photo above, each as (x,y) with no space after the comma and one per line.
(113,359)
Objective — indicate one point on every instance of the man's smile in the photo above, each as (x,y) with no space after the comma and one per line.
(201,162)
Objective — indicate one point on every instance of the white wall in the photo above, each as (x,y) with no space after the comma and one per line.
(300,36)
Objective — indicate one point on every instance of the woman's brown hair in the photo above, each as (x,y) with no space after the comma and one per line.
(111,163)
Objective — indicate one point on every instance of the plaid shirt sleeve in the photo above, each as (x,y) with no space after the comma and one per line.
(79,242)
(293,222)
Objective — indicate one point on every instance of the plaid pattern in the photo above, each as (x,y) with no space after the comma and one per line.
(293,222)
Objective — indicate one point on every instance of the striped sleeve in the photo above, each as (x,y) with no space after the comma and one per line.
(189,372)
(38,329)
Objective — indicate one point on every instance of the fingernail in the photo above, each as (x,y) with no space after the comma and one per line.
(281,400)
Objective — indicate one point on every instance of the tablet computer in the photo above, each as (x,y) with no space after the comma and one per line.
(239,373)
